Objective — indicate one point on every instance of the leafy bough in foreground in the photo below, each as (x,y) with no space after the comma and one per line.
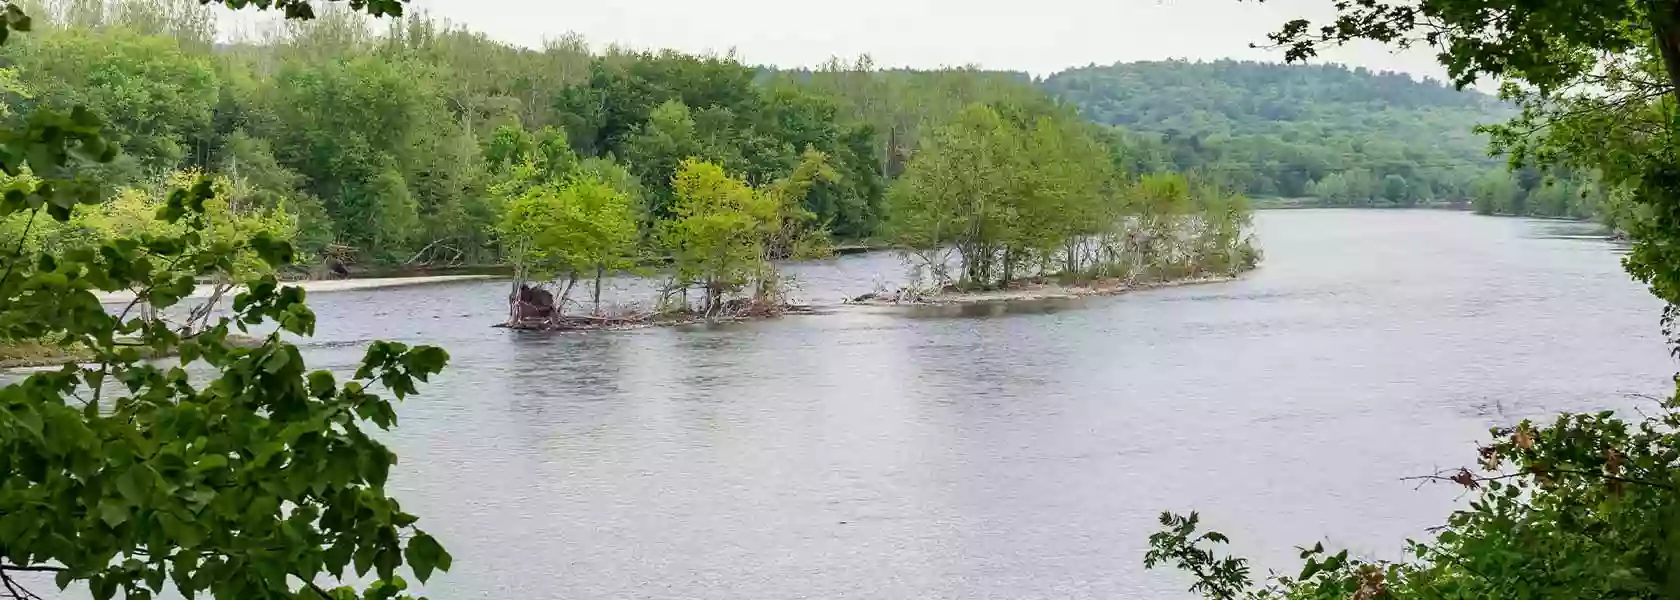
(124,473)
(1584,508)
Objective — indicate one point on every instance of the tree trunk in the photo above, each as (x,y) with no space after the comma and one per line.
(1008,268)
(513,298)
(1666,22)
(600,271)
(560,307)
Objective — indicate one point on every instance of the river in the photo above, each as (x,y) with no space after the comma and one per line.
(1022,453)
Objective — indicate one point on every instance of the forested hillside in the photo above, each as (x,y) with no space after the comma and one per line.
(1340,136)
(410,141)
(402,141)
(405,141)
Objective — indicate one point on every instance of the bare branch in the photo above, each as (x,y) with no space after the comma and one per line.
(1467,479)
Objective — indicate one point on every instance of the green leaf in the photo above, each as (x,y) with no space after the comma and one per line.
(277,253)
(131,486)
(321,384)
(276,360)
(337,556)
(426,360)
(424,555)
(1307,571)
(211,462)
(190,351)
(113,513)
(364,559)
(155,577)
(102,587)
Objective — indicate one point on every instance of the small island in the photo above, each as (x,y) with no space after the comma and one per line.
(1016,203)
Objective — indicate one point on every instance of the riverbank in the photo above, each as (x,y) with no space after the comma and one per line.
(318,286)
(1027,291)
(301,274)
(36,354)
(1316,204)
(646,320)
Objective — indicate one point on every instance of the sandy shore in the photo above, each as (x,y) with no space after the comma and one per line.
(1029,292)
(323,286)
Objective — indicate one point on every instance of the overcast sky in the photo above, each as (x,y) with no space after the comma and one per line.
(1038,36)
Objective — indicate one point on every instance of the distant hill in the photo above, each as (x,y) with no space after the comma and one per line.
(1346,136)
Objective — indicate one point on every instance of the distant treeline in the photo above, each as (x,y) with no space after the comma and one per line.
(1338,136)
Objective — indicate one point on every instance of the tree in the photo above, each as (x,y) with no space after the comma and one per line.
(956,192)
(1494,194)
(657,149)
(716,231)
(1395,190)
(122,474)
(1067,199)
(1023,190)
(581,225)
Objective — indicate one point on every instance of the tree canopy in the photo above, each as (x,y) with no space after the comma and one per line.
(1326,132)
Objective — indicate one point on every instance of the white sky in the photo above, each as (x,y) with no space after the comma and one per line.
(1038,36)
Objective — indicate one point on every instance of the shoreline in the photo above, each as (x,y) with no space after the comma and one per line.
(578,323)
(202,291)
(1031,292)
(28,356)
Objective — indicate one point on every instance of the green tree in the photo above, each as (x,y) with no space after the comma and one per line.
(156,98)
(123,475)
(583,225)
(657,149)
(1395,190)
(957,192)
(716,231)
(1494,193)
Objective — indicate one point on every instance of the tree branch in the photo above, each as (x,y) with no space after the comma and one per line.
(17,254)
(17,591)
(1464,478)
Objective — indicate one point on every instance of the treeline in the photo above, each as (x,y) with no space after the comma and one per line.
(1564,193)
(1014,194)
(407,144)
(1337,136)
(388,146)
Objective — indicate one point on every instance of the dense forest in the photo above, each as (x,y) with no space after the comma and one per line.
(407,141)
(1334,135)
(415,142)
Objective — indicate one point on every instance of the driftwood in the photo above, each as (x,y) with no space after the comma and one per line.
(728,311)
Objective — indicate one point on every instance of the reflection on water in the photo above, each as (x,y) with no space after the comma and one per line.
(1007,451)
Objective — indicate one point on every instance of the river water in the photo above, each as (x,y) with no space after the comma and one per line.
(1000,453)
